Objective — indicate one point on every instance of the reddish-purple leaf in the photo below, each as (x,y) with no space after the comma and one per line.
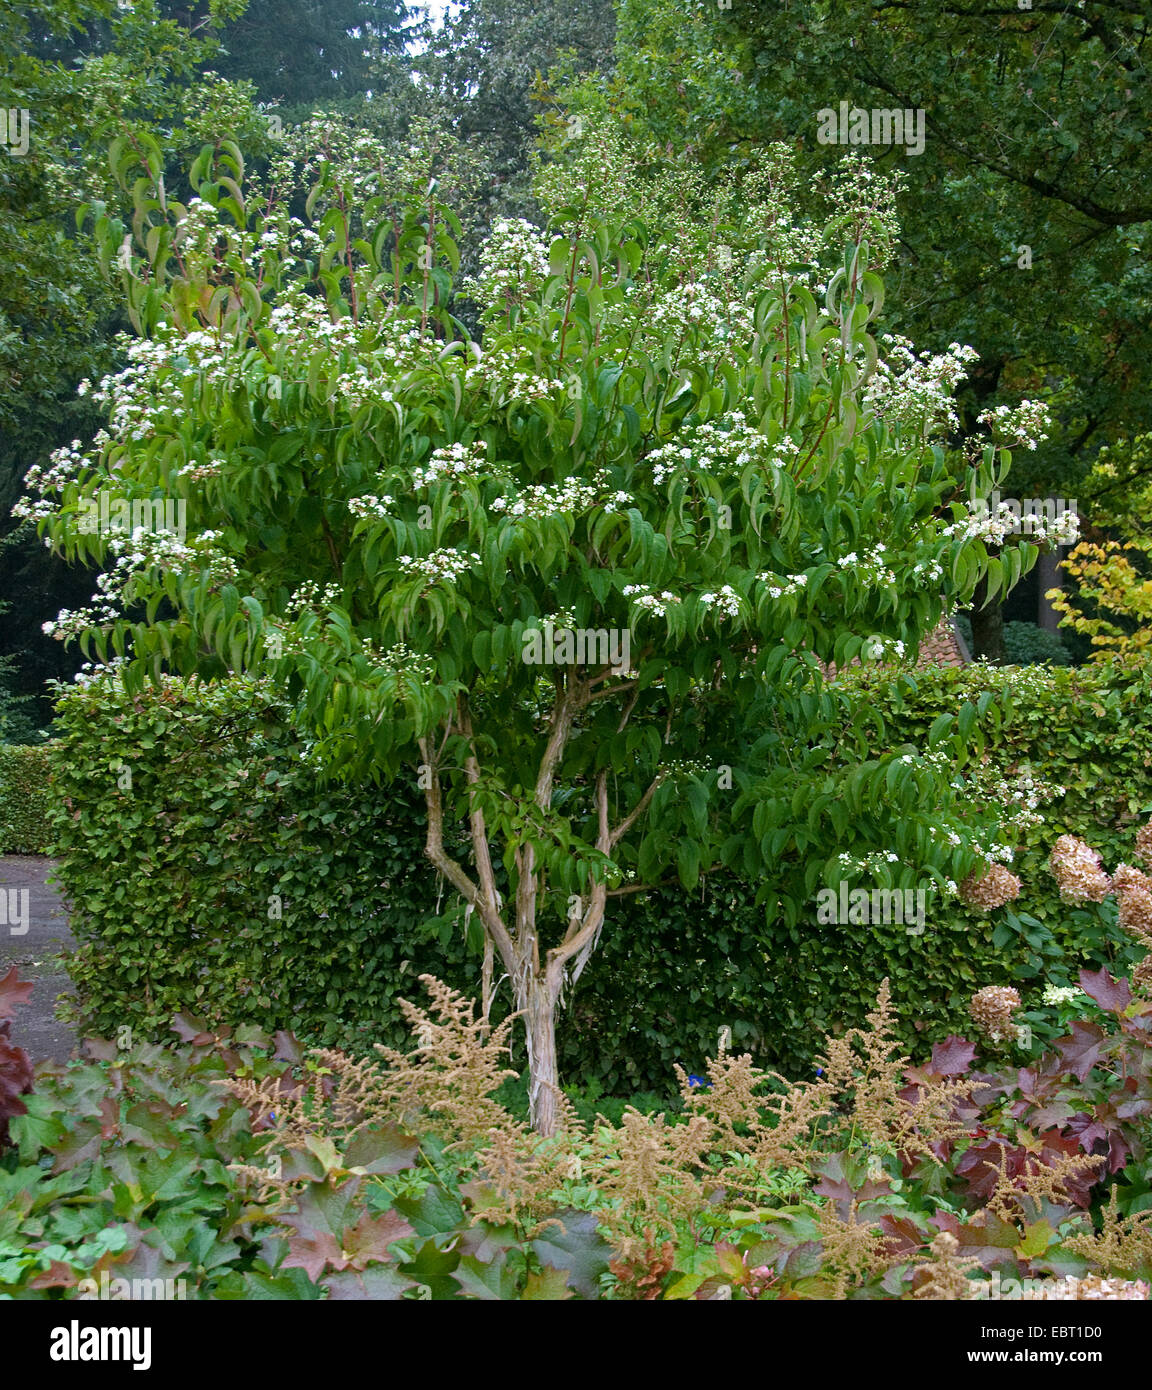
(367,1242)
(56,1276)
(314,1253)
(1113,996)
(192,1030)
(953,1056)
(13,992)
(1080,1052)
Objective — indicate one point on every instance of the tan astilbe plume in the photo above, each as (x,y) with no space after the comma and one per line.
(775,1129)
(444,1085)
(518,1174)
(867,1069)
(1017,1197)
(645,1170)
(775,1123)
(730,1101)
(854,1250)
(1122,1246)
(448,1079)
(946,1270)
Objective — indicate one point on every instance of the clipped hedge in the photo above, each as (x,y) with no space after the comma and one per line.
(24,799)
(209,871)
(175,868)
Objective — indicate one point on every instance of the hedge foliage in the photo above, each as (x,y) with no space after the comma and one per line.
(210,872)
(190,816)
(24,799)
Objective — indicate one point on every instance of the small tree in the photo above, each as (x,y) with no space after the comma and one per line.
(578,579)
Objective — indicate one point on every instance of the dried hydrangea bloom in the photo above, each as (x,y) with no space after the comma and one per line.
(1126,878)
(992,888)
(1142,976)
(1136,913)
(1144,843)
(992,1009)
(1078,871)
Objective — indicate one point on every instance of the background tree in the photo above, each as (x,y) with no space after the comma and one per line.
(304,54)
(1024,222)
(1110,598)
(486,69)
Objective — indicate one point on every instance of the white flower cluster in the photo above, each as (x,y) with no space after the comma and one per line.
(369,504)
(310,595)
(513,264)
(915,393)
(927,571)
(994,527)
(935,758)
(456,459)
(643,597)
(141,553)
(872,569)
(782,588)
(442,565)
(360,385)
(714,447)
(1062,994)
(877,647)
(565,499)
(197,472)
(726,601)
(66,463)
(1020,794)
(151,387)
(1027,424)
(499,370)
(408,667)
(869,861)
(692,307)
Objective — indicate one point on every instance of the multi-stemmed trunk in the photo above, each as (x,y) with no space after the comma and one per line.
(537,974)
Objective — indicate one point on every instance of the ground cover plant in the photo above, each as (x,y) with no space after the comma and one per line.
(247,1168)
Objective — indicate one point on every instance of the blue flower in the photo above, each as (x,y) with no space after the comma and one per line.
(699,1081)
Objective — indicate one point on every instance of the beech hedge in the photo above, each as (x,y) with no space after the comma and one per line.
(212,872)
(24,799)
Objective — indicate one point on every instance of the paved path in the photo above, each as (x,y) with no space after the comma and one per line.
(33,935)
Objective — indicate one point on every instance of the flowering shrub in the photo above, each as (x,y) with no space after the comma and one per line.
(641,418)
